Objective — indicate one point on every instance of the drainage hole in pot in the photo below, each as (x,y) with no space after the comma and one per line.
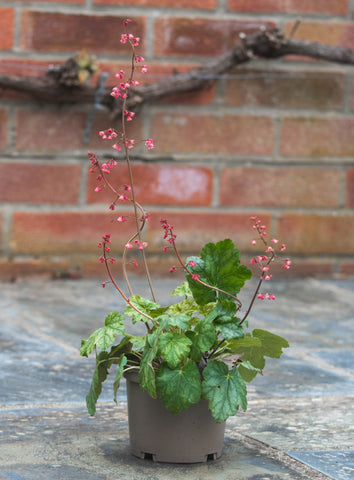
(148,456)
(211,456)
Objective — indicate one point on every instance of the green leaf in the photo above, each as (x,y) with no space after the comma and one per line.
(147,308)
(122,362)
(174,347)
(205,335)
(180,320)
(247,371)
(179,387)
(218,266)
(104,336)
(182,291)
(147,378)
(230,330)
(99,376)
(225,391)
(239,345)
(187,307)
(272,344)
(147,371)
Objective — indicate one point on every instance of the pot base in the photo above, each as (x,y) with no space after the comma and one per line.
(191,436)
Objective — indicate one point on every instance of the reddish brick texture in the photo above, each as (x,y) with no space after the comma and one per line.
(57,129)
(7,17)
(65,232)
(317,137)
(200,4)
(3,129)
(62,32)
(331,33)
(223,134)
(280,186)
(200,36)
(317,234)
(286,89)
(159,185)
(325,7)
(350,188)
(194,229)
(269,138)
(37,183)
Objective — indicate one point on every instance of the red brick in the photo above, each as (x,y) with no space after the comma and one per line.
(227,134)
(347,268)
(351,93)
(6,28)
(52,1)
(331,33)
(39,183)
(286,89)
(337,7)
(317,234)
(194,229)
(280,186)
(157,184)
(26,67)
(350,188)
(200,4)
(12,270)
(3,129)
(200,36)
(317,137)
(59,130)
(65,232)
(60,32)
(1,227)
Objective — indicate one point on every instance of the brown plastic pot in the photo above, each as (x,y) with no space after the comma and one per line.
(191,436)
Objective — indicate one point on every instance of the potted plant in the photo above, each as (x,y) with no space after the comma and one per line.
(187,372)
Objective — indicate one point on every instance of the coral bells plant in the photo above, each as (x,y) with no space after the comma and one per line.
(197,347)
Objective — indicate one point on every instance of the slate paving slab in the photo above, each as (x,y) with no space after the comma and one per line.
(337,464)
(299,424)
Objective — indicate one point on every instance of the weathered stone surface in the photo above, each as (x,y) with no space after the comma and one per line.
(299,424)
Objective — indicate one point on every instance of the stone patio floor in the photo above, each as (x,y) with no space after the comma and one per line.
(300,420)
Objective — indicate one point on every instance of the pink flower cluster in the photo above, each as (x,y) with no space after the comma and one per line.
(264,261)
(106,239)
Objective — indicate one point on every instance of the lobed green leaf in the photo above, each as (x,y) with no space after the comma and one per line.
(225,391)
(178,387)
(104,336)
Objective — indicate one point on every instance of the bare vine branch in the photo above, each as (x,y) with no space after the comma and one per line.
(60,86)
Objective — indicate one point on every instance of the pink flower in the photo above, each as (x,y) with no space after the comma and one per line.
(172,269)
(129,245)
(195,277)
(144,69)
(191,263)
(121,219)
(120,74)
(134,263)
(149,143)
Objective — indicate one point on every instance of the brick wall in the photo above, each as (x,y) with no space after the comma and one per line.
(273,138)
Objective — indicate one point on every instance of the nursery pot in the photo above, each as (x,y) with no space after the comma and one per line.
(190,436)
